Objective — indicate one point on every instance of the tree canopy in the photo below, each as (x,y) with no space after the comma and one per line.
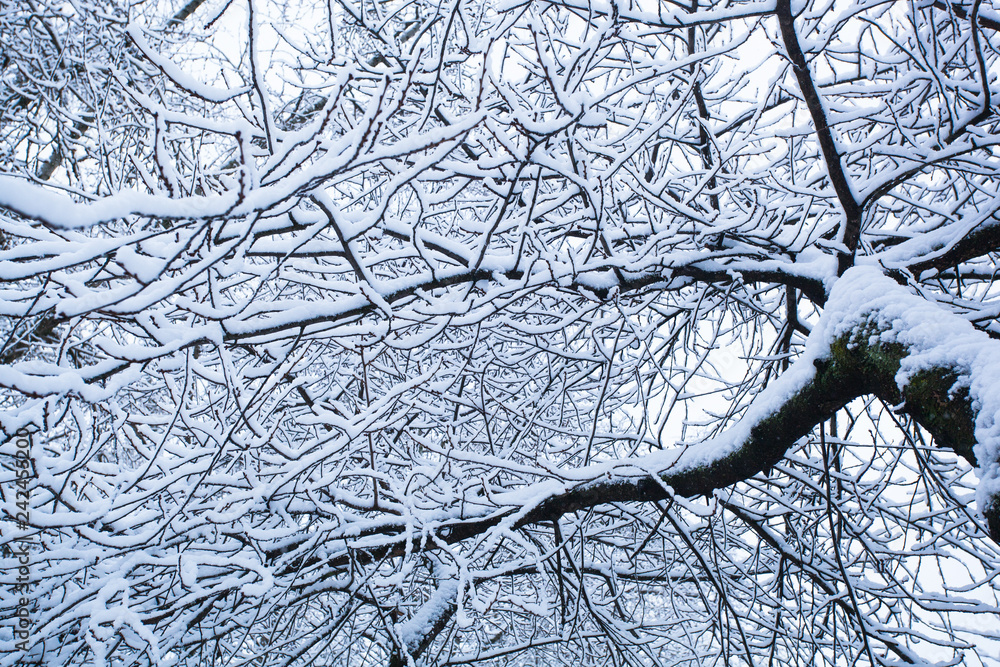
(402,332)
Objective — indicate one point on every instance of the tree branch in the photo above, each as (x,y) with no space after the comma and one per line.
(835,168)
(871,340)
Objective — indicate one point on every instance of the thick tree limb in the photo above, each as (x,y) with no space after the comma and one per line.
(984,239)
(875,338)
(901,349)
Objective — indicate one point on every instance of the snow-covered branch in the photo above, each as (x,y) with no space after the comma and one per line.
(359,333)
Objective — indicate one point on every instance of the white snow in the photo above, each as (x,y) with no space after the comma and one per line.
(415,628)
(935,339)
